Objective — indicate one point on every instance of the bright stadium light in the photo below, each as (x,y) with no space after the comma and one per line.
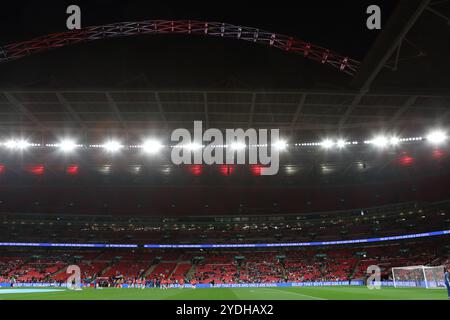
(380,141)
(237,146)
(394,141)
(193,146)
(67,145)
(327,144)
(341,143)
(437,137)
(152,146)
(280,145)
(112,146)
(17,144)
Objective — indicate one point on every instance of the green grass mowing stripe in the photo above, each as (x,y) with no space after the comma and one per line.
(363,293)
(283,294)
(287,293)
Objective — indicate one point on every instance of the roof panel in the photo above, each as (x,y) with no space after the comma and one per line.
(272,118)
(137,107)
(228,118)
(438,102)
(319,120)
(85,96)
(424,113)
(231,108)
(98,117)
(183,107)
(36,96)
(230,97)
(133,96)
(383,100)
(362,120)
(371,111)
(6,107)
(19,118)
(54,117)
(185,117)
(278,98)
(181,96)
(44,107)
(141,117)
(323,109)
(319,98)
(276,108)
(91,107)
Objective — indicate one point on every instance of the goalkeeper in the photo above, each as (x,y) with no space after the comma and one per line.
(447,281)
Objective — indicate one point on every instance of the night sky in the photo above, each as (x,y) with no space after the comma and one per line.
(180,61)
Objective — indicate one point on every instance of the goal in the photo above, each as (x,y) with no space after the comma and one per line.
(418,276)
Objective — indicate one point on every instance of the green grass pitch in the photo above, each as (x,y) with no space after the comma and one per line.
(304,293)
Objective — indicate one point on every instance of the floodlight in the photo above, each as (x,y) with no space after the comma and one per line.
(327,144)
(341,143)
(394,141)
(17,144)
(380,141)
(237,146)
(67,145)
(281,145)
(193,146)
(437,137)
(151,146)
(112,146)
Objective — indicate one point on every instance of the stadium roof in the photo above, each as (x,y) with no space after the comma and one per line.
(132,111)
(169,81)
(154,83)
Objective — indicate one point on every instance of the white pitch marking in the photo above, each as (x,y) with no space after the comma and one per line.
(294,293)
(13,291)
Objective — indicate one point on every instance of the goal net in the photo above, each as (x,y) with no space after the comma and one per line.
(418,276)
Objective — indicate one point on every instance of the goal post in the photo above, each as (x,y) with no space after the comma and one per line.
(418,277)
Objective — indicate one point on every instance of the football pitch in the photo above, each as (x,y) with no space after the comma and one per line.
(292,293)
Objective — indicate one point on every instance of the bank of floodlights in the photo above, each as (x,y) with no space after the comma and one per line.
(154,146)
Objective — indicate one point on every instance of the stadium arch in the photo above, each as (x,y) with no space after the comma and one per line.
(286,43)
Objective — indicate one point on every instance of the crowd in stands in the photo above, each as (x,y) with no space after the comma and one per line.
(175,266)
(374,222)
(159,268)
